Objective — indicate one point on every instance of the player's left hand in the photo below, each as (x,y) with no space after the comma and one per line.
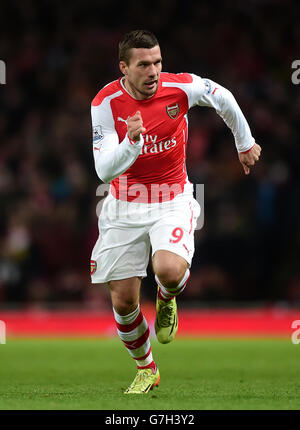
(250,158)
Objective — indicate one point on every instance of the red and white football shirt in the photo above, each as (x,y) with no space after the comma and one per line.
(140,169)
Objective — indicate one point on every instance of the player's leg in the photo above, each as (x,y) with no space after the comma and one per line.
(134,332)
(120,257)
(125,294)
(171,274)
(172,240)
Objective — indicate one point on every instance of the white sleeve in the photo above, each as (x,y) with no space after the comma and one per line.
(206,92)
(111,157)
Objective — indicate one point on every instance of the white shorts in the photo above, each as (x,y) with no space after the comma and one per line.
(127,231)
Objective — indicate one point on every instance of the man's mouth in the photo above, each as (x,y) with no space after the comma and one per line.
(151,84)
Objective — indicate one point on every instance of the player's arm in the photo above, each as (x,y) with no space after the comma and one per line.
(208,93)
(111,157)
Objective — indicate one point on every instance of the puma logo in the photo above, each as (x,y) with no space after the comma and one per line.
(121,119)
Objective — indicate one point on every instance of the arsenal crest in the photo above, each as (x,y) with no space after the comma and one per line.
(93,266)
(173,110)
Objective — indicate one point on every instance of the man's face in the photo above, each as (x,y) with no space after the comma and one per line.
(142,72)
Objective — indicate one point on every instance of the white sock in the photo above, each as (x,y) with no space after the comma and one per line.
(134,332)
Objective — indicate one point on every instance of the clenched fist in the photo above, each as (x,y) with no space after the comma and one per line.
(135,126)
(250,158)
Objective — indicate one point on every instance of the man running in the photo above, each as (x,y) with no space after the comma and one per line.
(140,132)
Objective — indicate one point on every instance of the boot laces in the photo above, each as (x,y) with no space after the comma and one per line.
(166,316)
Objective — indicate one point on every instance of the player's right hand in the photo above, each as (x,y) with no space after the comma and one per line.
(135,126)
(249,158)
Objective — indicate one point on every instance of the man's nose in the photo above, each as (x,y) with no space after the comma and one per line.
(152,70)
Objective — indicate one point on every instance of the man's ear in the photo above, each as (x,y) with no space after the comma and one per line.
(123,67)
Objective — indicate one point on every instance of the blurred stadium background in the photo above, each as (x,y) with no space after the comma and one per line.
(58,55)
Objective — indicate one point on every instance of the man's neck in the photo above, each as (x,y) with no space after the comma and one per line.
(133,92)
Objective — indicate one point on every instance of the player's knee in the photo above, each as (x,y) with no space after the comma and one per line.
(169,268)
(125,306)
(170,276)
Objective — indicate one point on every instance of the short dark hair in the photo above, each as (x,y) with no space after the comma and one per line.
(136,39)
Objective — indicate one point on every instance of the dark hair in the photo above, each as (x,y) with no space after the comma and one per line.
(136,39)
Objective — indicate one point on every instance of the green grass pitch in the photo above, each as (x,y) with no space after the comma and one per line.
(199,374)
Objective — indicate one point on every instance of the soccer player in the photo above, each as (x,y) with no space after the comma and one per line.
(140,131)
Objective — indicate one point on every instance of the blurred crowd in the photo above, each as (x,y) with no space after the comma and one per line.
(58,55)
